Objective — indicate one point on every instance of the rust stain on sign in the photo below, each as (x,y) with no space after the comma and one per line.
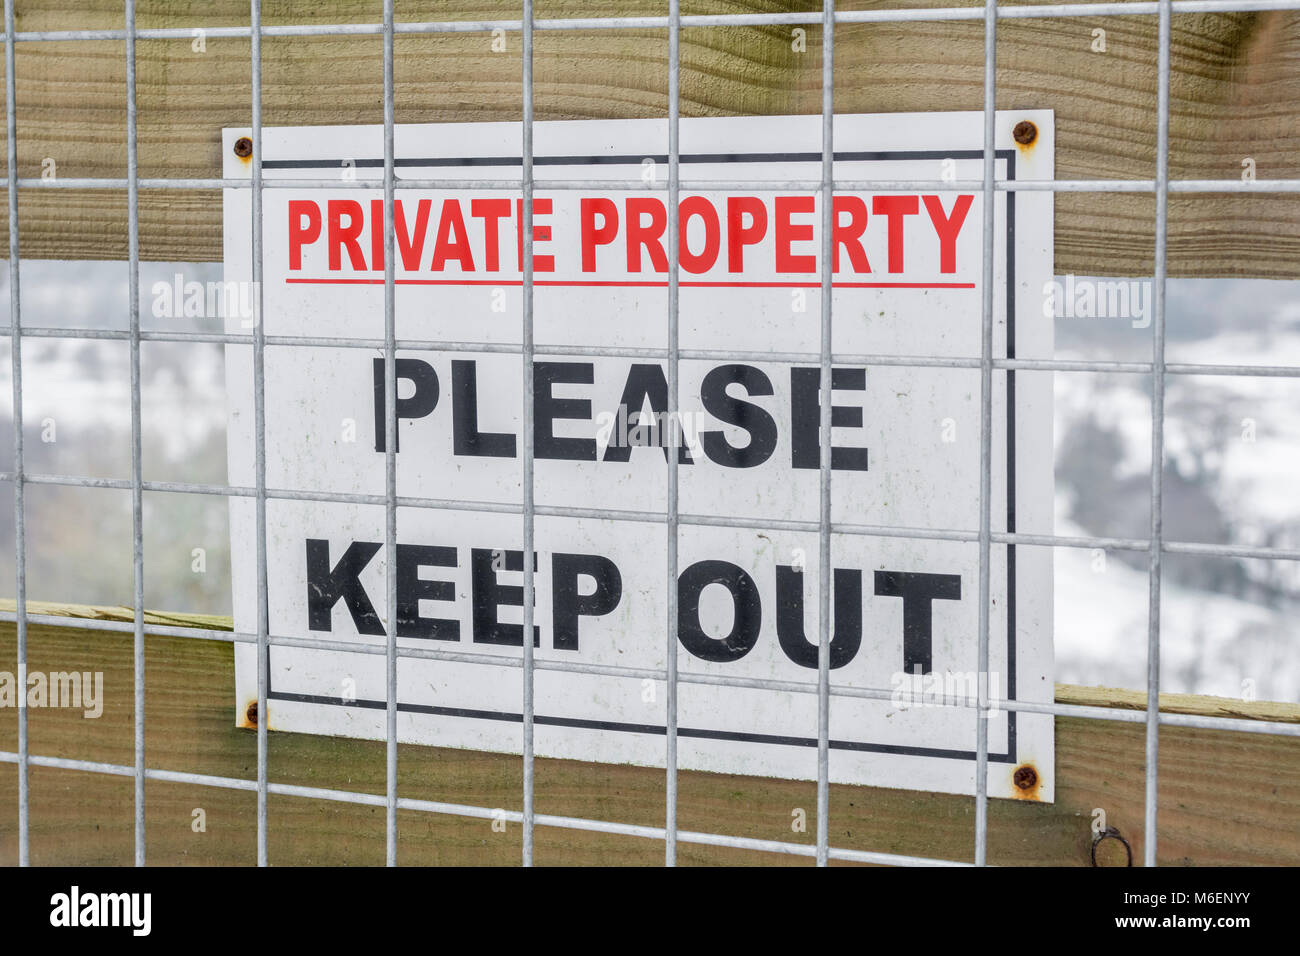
(1026,782)
(1025,134)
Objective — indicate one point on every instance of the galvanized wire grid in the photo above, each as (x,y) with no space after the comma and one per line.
(1156,546)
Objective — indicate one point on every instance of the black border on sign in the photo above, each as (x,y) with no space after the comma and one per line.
(694,732)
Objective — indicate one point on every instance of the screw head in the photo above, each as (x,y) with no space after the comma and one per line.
(1025,777)
(1025,133)
(251,713)
(243,147)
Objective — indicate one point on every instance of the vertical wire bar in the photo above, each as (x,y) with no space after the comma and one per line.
(526,223)
(674,187)
(137,492)
(16,359)
(259,429)
(390,453)
(986,435)
(1157,442)
(824,402)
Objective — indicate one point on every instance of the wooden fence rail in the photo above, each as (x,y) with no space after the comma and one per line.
(1225,797)
(1234,87)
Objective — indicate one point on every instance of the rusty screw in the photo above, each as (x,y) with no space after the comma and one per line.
(244,147)
(251,713)
(1025,133)
(1025,777)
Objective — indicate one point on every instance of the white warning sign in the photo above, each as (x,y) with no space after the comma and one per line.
(905,395)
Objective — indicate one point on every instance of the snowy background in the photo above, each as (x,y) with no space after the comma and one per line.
(1231,474)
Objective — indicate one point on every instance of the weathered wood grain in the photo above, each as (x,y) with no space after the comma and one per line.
(1225,798)
(1234,86)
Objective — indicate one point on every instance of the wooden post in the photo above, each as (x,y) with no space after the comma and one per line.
(1234,90)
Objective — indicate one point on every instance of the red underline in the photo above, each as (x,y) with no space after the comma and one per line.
(651,284)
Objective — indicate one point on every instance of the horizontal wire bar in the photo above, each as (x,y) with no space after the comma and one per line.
(1134,8)
(466,810)
(843,358)
(897,696)
(656,517)
(1139,716)
(637,185)
(1019,537)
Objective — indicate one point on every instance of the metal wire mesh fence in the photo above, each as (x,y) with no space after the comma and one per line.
(1155,545)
